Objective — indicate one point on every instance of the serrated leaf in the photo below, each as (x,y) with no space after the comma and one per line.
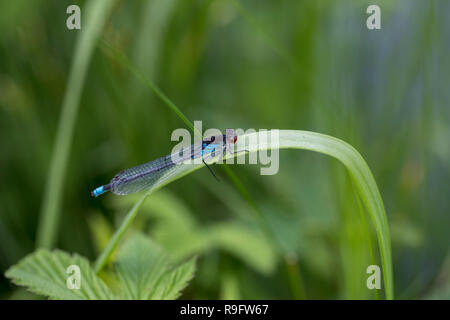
(144,271)
(175,280)
(139,266)
(45,272)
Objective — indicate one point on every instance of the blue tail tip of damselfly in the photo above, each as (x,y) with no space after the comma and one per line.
(98,191)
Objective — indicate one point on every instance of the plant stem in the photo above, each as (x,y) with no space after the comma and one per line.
(118,235)
(125,61)
(294,275)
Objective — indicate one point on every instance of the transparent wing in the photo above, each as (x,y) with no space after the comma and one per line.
(144,176)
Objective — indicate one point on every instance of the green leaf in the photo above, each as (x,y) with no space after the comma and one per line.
(177,231)
(175,280)
(44,272)
(144,271)
(139,266)
(246,243)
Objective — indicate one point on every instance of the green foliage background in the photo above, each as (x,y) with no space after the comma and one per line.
(309,65)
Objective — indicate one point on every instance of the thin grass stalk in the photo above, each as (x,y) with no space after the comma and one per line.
(96,16)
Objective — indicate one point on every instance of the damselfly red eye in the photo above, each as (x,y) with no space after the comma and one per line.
(231,136)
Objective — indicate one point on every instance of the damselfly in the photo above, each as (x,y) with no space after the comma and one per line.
(144,176)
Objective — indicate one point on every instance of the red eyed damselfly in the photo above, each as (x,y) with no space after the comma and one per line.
(144,176)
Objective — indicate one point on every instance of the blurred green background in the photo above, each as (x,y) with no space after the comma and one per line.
(305,65)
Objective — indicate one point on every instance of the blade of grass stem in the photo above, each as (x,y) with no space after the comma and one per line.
(367,234)
(122,58)
(96,15)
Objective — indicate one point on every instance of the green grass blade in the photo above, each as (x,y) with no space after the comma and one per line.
(96,15)
(367,235)
(359,172)
(364,183)
(122,58)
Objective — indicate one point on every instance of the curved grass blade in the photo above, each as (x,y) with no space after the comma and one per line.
(359,172)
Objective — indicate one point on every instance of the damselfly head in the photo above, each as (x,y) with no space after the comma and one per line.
(231,135)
